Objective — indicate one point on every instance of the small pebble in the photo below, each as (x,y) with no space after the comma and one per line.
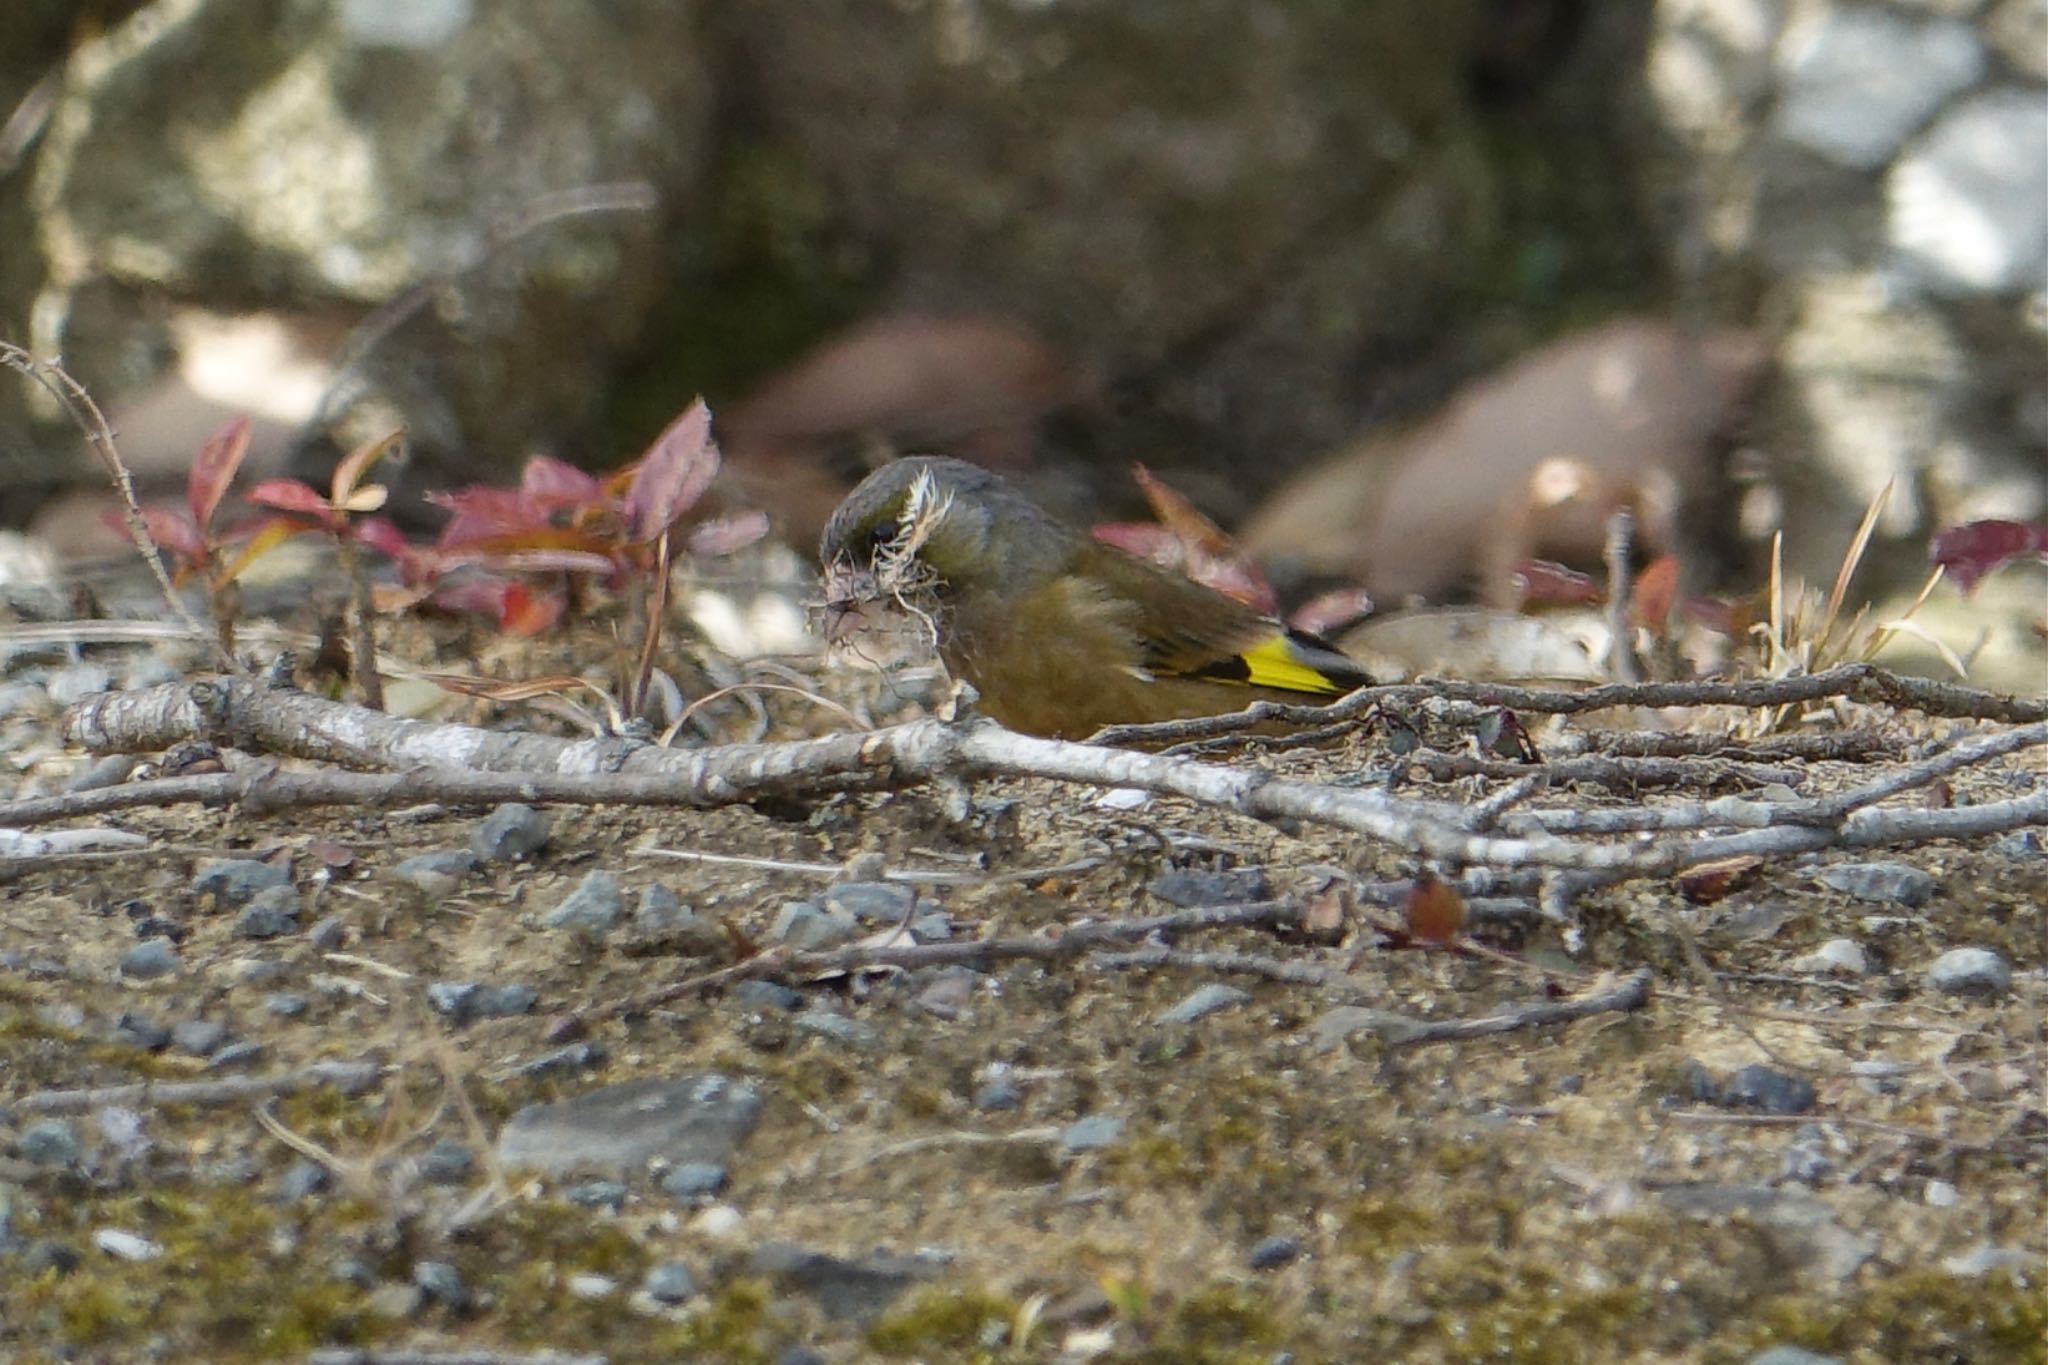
(567,1060)
(766,995)
(591,1287)
(286,1005)
(442,1282)
(1191,888)
(447,1162)
(510,833)
(1091,1134)
(50,1142)
(670,1282)
(872,902)
(1203,1001)
(1970,971)
(1772,1092)
(597,1194)
(456,999)
(1840,956)
(234,882)
(1273,1252)
(439,873)
(149,960)
(1942,1195)
(838,1028)
(1894,883)
(810,927)
(198,1036)
(998,1095)
(138,1030)
(302,1180)
(329,934)
(594,907)
(126,1246)
(273,913)
(694,1179)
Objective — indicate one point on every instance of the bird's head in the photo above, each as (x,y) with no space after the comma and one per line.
(927,524)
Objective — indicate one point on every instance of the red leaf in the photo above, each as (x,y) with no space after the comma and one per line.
(524,612)
(213,469)
(1210,556)
(1434,910)
(170,528)
(383,536)
(547,482)
(1972,550)
(1541,582)
(1705,883)
(291,495)
(483,514)
(1655,590)
(676,470)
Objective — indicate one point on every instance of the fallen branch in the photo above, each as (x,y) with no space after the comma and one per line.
(347,1077)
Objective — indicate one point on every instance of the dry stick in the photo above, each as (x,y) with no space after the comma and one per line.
(86,414)
(1860,682)
(1613,771)
(1621,653)
(1848,746)
(472,1356)
(239,714)
(348,1077)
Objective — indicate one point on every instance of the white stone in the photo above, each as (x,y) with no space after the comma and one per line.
(1969,205)
(1858,82)
(1840,955)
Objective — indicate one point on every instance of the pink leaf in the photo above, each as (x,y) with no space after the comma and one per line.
(677,469)
(290,495)
(1970,551)
(547,482)
(213,469)
(1332,610)
(724,535)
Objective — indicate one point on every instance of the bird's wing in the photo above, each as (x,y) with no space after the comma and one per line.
(1188,631)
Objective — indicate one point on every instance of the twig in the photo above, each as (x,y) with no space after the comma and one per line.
(348,1077)
(358,1355)
(86,415)
(1621,653)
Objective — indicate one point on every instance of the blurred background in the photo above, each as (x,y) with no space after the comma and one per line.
(1402,291)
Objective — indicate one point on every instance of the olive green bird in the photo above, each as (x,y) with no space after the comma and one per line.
(1059,633)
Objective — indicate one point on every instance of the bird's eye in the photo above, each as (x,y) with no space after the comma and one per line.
(883,534)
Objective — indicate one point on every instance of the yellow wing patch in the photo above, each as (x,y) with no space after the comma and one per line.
(1279,663)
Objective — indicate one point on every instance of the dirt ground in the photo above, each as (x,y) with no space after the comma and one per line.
(1276,1190)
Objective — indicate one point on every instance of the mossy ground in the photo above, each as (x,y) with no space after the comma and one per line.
(1494,1200)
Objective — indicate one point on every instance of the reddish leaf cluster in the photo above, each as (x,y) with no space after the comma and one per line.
(504,551)
(1970,551)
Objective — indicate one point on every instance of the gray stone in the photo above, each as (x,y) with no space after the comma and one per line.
(591,1287)
(873,902)
(838,1028)
(1192,888)
(669,1282)
(272,913)
(198,1036)
(302,1180)
(595,906)
(618,1129)
(1858,81)
(1203,1001)
(50,1142)
(234,882)
(998,1094)
(1792,1355)
(810,927)
(126,1246)
(329,934)
(286,1004)
(854,1289)
(1772,1092)
(511,833)
(439,873)
(138,1030)
(502,1002)
(1985,1259)
(447,1162)
(1969,204)
(1843,956)
(1091,1134)
(1891,883)
(149,960)
(1273,1252)
(567,1060)
(597,1194)
(1970,971)
(440,1281)
(766,995)
(456,999)
(694,1179)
